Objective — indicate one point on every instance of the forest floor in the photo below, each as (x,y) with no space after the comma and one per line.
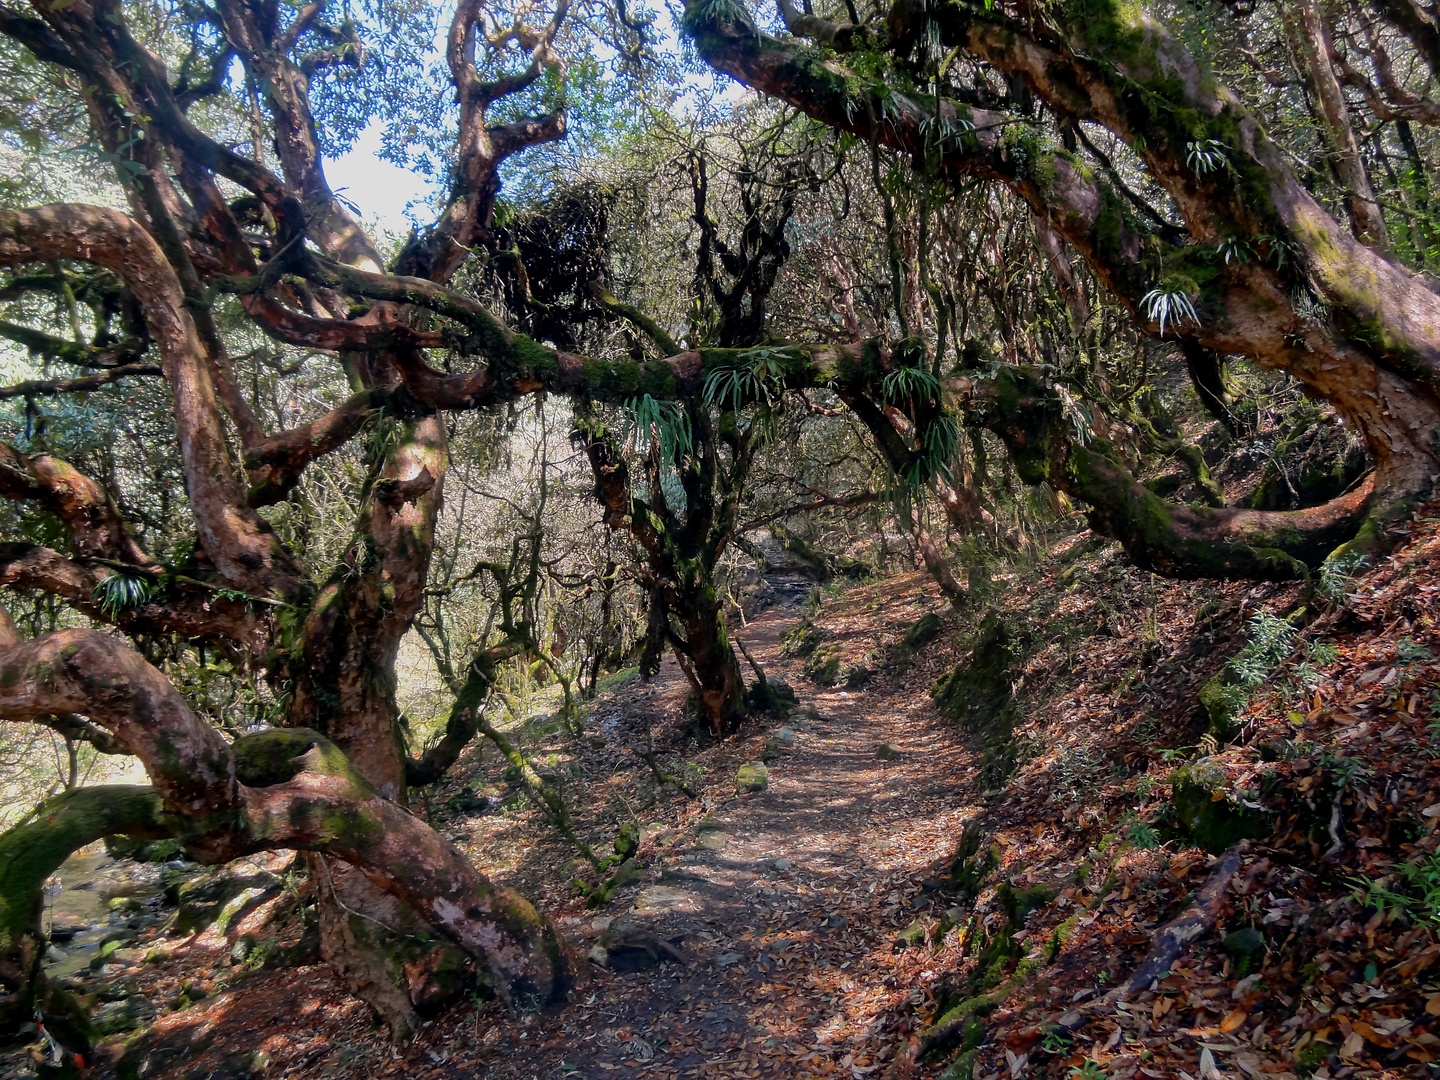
(915,892)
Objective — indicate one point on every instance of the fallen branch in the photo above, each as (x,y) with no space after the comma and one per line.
(1172,939)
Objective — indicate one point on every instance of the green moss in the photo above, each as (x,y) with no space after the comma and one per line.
(272,757)
(921,633)
(1203,807)
(969,868)
(823,665)
(978,695)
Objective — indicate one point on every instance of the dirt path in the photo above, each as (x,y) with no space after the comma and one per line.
(785,904)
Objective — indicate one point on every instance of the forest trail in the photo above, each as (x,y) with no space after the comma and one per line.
(784,904)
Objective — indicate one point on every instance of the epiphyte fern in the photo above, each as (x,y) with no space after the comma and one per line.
(938,440)
(120,592)
(651,424)
(761,380)
(909,384)
(1206,155)
(1169,302)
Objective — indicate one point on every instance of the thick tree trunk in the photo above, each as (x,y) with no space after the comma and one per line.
(706,645)
(346,689)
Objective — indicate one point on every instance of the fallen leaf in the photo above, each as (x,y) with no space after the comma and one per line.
(1233,1020)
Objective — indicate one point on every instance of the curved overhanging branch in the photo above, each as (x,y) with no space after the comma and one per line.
(1384,379)
(241,546)
(1115,65)
(83,506)
(29,853)
(283,789)
(183,606)
(1176,539)
(33,388)
(276,464)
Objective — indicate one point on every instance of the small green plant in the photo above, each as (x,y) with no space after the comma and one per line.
(1337,575)
(650,424)
(1170,302)
(1271,640)
(1409,651)
(120,592)
(1091,1070)
(1206,155)
(1057,1041)
(938,440)
(1347,771)
(1412,889)
(1235,249)
(1139,832)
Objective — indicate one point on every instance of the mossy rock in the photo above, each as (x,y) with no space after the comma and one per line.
(803,639)
(969,866)
(138,849)
(912,937)
(978,694)
(1203,808)
(823,665)
(1218,696)
(627,841)
(774,696)
(117,1017)
(752,776)
(922,632)
(1017,903)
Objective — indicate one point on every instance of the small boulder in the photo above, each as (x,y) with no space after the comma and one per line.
(911,937)
(116,1017)
(752,776)
(627,873)
(886,752)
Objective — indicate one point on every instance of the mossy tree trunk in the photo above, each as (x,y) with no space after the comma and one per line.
(682,547)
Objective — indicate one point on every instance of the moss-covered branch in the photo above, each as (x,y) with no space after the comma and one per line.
(29,853)
(1175,539)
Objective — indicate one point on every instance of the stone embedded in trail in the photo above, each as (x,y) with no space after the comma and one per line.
(711,840)
(777,742)
(753,776)
(912,936)
(661,899)
(886,752)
